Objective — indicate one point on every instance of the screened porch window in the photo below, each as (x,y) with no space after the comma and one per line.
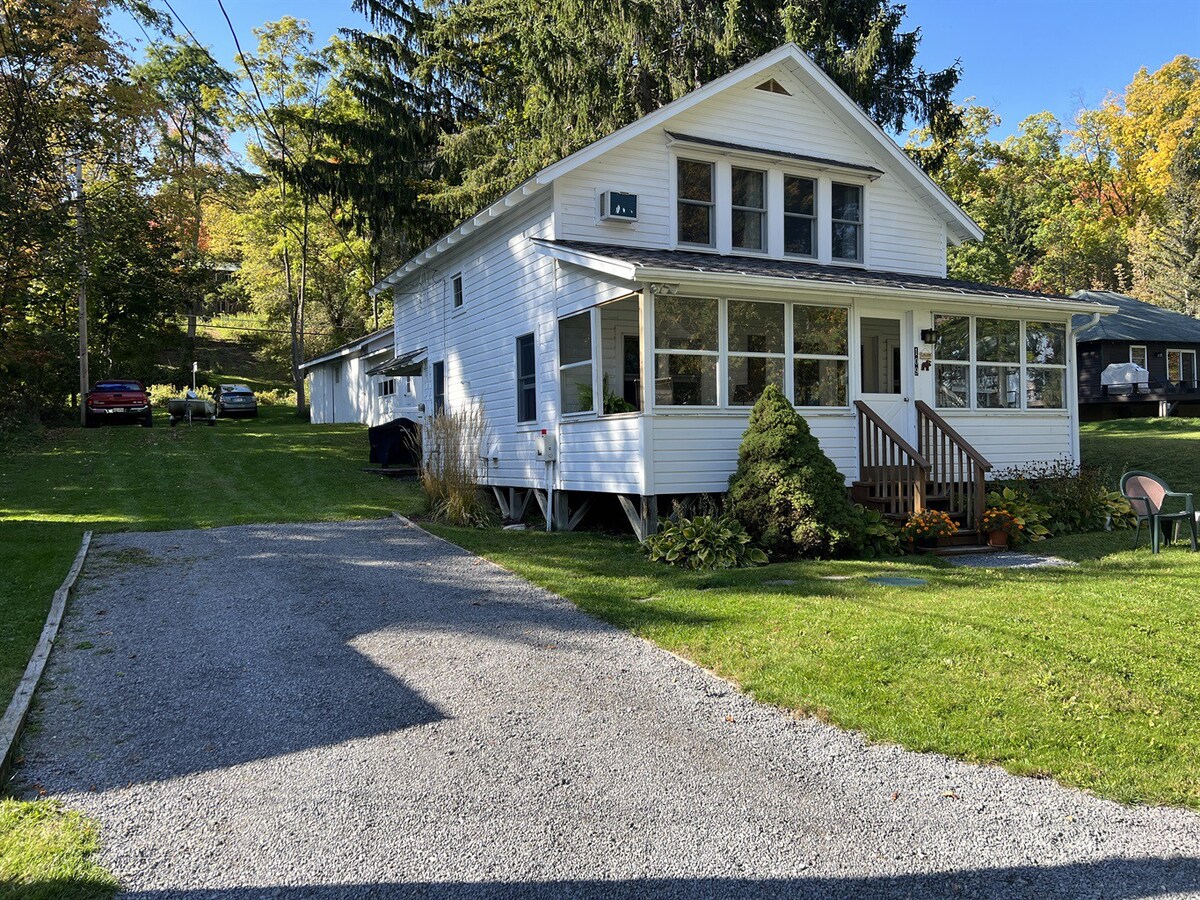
(575,363)
(1045,365)
(821,366)
(756,351)
(686,351)
(986,363)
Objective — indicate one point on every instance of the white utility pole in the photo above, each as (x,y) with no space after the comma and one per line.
(80,231)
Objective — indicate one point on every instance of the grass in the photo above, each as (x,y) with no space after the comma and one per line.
(276,468)
(46,854)
(1088,675)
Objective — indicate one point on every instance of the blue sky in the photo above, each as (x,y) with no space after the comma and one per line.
(1019,56)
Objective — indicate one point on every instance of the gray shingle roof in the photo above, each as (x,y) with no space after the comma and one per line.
(1136,321)
(685,260)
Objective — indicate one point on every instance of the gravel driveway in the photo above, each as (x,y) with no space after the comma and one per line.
(360,710)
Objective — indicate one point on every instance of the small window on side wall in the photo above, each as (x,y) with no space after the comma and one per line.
(526,379)
(457,288)
(1138,355)
(694,211)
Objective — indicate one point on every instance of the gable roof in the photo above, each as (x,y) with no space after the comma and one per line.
(959,225)
(644,264)
(355,346)
(1135,320)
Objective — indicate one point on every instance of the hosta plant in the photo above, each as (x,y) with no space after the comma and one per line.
(704,542)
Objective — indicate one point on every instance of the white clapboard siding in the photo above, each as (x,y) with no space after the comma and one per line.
(508,291)
(1015,439)
(903,235)
(602,454)
(695,453)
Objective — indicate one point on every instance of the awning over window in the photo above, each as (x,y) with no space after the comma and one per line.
(406,364)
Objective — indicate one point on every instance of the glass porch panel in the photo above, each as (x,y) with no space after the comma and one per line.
(685,323)
(755,327)
(1045,388)
(685,380)
(821,382)
(575,383)
(998,340)
(952,386)
(750,375)
(621,356)
(998,387)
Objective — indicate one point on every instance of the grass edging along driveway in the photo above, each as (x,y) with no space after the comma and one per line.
(14,716)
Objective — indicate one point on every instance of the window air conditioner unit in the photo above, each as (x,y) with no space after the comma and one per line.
(617,206)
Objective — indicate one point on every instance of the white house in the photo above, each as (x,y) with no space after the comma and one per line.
(343,385)
(622,310)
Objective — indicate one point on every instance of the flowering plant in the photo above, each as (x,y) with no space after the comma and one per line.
(928,523)
(996,518)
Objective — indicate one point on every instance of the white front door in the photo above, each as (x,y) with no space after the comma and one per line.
(885,368)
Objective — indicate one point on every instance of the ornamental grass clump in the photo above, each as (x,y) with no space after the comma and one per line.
(786,492)
(450,465)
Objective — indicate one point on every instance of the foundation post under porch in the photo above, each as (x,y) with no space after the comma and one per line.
(564,519)
(513,501)
(642,513)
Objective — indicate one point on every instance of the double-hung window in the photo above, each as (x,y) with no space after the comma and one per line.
(695,187)
(575,363)
(526,379)
(820,355)
(756,350)
(686,351)
(799,216)
(952,362)
(1045,365)
(847,209)
(456,288)
(748,219)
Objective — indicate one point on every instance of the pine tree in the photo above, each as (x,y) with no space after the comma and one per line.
(786,492)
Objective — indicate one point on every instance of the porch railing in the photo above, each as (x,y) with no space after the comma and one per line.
(958,471)
(897,473)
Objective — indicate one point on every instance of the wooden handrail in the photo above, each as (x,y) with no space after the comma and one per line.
(894,435)
(958,471)
(961,441)
(897,474)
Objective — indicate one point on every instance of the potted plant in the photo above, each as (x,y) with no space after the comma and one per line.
(999,524)
(925,528)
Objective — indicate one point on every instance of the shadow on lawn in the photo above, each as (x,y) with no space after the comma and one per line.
(1116,879)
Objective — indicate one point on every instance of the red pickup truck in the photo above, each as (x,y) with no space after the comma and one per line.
(118,400)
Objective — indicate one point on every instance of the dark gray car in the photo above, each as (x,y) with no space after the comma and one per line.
(235,400)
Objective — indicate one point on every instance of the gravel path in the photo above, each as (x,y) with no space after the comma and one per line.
(360,710)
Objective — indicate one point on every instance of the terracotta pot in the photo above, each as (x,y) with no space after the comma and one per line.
(997,538)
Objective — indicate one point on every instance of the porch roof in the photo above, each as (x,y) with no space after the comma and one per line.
(404,364)
(645,264)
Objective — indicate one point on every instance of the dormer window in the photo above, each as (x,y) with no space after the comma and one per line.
(749,219)
(847,222)
(695,207)
(799,216)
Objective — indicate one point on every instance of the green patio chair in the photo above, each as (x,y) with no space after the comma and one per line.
(1146,494)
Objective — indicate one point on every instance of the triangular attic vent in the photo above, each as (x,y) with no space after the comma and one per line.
(771,86)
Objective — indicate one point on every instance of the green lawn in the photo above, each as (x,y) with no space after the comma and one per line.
(1090,675)
(275,468)
(46,854)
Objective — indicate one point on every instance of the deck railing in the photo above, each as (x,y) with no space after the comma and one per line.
(958,471)
(896,470)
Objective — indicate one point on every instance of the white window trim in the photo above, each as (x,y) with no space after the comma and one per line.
(458,293)
(1023,365)
(677,200)
(815,218)
(518,378)
(764,211)
(1145,354)
(1182,353)
(861,259)
(723,164)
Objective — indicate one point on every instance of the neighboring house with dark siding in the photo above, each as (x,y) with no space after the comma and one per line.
(1165,343)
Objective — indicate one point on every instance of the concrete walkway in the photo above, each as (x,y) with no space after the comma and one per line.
(360,710)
